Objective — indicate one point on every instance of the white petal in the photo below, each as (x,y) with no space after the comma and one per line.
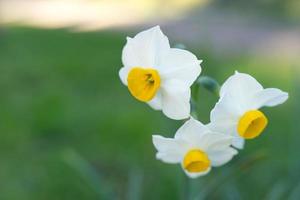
(196,175)
(176,99)
(180,64)
(169,150)
(238,142)
(192,131)
(228,128)
(156,102)
(227,109)
(218,148)
(215,141)
(129,57)
(123,73)
(225,127)
(240,87)
(242,82)
(219,158)
(269,97)
(225,115)
(146,49)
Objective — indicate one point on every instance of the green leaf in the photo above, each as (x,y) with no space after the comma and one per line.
(87,172)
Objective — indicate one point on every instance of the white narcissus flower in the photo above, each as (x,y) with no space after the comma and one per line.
(237,111)
(195,147)
(159,75)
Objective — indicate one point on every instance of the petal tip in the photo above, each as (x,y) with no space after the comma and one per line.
(286,95)
(177,117)
(155,138)
(155,29)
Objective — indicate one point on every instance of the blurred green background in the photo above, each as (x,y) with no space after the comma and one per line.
(70,130)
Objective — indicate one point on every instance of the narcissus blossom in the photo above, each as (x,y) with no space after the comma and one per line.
(237,111)
(195,147)
(159,75)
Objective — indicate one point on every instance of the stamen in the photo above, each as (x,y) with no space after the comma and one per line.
(143,83)
(196,161)
(252,124)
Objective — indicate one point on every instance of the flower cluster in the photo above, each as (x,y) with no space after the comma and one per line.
(162,76)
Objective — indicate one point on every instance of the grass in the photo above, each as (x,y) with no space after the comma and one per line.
(70,130)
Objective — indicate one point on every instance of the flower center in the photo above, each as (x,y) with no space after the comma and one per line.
(143,83)
(196,161)
(251,124)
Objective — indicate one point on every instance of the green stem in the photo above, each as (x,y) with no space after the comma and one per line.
(194,101)
(187,193)
(194,113)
